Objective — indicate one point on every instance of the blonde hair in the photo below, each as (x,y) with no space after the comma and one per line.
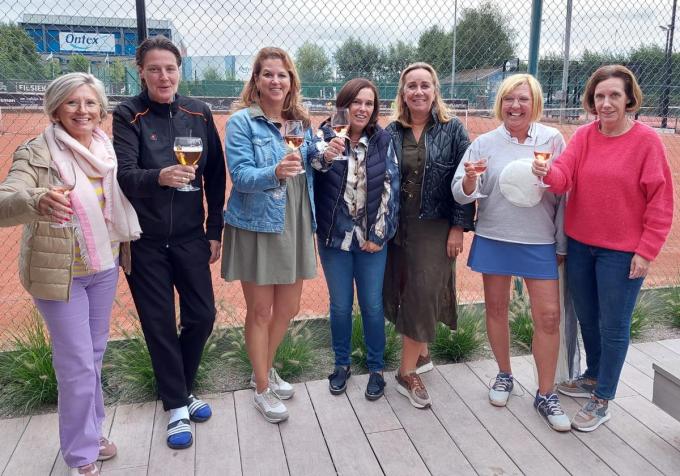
(61,88)
(401,112)
(292,105)
(631,87)
(509,84)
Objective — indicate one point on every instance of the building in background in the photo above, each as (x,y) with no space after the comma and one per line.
(227,68)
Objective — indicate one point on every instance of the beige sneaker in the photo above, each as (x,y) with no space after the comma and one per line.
(107,449)
(594,413)
(413,388)
(424,364)
(581,387)
(87,470)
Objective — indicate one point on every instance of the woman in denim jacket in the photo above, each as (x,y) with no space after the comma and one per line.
(357,202)
(269,231)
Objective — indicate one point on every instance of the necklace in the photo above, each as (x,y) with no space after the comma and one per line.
(626,127)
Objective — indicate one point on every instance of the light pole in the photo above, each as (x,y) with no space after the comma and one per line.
(668,63)
(453,53)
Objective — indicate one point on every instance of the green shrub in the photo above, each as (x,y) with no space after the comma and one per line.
(27,378)
(671,305)
(521,323)
(294,355)
(646,309)
(359,351)
(460,344)
(128,368)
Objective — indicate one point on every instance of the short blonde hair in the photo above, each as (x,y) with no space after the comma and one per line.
(401,112)
(509,84)
(631,87)
(61,88)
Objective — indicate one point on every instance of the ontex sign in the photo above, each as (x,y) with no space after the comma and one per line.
(87,42)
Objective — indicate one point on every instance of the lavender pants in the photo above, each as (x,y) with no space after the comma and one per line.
(79,330)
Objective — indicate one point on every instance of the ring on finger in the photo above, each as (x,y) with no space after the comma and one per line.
(50,210)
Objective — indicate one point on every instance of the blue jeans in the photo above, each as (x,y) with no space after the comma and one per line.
(342,269)
(604,298)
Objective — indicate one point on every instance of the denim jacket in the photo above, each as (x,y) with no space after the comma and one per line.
(254,147)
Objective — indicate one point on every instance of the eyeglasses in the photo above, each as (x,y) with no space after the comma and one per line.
(73,106)
(523,100)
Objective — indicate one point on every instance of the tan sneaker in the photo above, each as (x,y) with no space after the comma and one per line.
(594,413)
(413,388)
(107,449)
(424,364)
(581,387)
(87,470)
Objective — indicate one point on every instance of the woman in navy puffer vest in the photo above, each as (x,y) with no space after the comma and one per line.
(357,202)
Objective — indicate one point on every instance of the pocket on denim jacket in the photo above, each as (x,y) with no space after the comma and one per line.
(263,149)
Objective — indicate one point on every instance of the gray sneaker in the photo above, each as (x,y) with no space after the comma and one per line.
(271,406)
(280,387)
(582,387)
(594,413)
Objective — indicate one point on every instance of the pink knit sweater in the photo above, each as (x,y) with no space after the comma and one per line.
(620,189)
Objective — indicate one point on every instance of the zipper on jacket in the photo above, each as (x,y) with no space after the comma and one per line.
(335,207)
(172,195)
(422,185)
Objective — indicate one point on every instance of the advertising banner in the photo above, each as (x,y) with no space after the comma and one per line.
(87,42)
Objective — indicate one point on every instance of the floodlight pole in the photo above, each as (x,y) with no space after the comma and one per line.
(141,20)
(535,35)
(453,53)
(565,64)
(668,69)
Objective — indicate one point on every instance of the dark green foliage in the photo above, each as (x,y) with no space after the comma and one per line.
(461,344)
(392,343)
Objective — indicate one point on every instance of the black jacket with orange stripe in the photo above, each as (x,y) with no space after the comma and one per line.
(143,136)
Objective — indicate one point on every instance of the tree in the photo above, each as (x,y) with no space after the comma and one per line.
(18,57)
(435,47)
(117,71)
(356,59)
(312,63)
(78,63)
(210,74)
(396,57)
(483,38)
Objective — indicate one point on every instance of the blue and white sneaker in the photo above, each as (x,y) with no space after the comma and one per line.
(501,389)
(548,406)
(179,434)
(199,411)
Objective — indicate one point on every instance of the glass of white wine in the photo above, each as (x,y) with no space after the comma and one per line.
(294,135)
(340,125)
(542,153)
(188,151)
(63,182)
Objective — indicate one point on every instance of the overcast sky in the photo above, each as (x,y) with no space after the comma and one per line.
(241,27)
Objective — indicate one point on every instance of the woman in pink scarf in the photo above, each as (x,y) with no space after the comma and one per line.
(70,250)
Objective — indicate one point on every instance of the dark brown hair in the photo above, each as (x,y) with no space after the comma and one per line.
(351,90)
(292,105)
(159,42)
(631,87)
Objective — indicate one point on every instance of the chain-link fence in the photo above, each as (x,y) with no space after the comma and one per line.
(472,44)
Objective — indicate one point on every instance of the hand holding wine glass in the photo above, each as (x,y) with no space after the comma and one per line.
(475,167)
(340,125)
(57,199)
(294,135)
(542,154)
(188,152)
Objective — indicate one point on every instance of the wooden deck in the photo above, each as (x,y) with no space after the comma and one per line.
(460,434)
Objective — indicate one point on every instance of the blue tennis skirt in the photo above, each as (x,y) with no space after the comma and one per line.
(514,259)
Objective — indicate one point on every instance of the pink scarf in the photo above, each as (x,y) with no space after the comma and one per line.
(95,228)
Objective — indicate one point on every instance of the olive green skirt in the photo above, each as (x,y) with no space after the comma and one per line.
(274,258)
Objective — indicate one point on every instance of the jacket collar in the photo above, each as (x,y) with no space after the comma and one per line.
(157,107)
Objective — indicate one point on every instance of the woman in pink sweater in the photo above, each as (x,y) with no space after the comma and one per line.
(617,218)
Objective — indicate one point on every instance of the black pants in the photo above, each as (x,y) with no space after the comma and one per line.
(157,270)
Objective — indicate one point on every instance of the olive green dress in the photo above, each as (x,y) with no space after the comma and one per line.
(420,279)
(274,258)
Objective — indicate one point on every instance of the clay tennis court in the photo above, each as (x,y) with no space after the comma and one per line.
(16,305)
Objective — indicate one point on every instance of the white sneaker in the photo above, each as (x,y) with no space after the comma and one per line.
(280,387)
(271,406)
(501,389)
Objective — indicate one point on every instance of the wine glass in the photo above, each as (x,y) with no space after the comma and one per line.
(542,153)
(62,183)
(294,135)
(479,163)
(188,151)
(340,125)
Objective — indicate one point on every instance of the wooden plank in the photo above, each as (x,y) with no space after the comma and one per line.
(347,443)
(216,441)
(640,361)
(658,352)
(654,418)
(37,449)
(135,471)
(11,431)
(637,380)
(571,452)
(131,430)
(162,457)
(375,415)
(604,442)
(672,344)
(622,390)
(396,454)
(520,445)
(433,443)
(481,450)
(259,441)
(306,450)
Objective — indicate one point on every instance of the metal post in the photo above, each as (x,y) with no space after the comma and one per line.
(669,69)
(565,64)
(453,53)
(141,20)
(535,35)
